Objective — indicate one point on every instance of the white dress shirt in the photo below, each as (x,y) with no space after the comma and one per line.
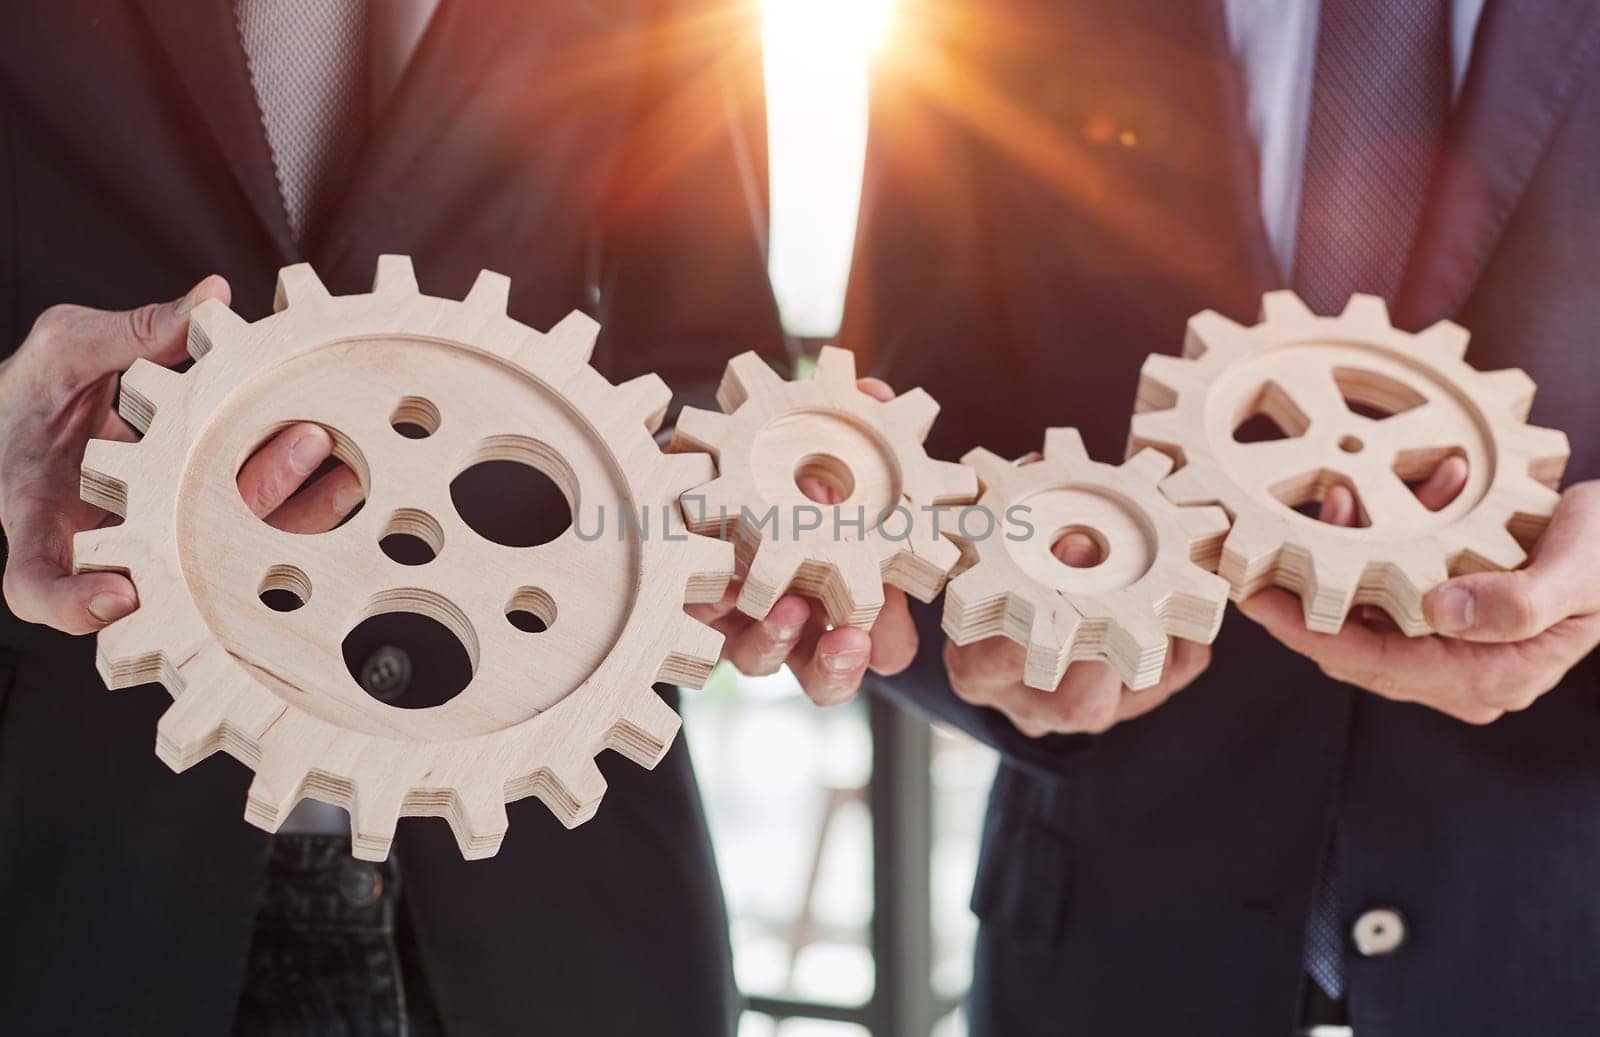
(1275,43)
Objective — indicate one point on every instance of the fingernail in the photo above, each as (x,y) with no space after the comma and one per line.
(784,634)
(107,606)
(187,302)
(1455,610)
(306,453)
(843,662)
(347,497)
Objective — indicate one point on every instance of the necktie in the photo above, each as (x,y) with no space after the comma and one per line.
(1379,98)
(308,65)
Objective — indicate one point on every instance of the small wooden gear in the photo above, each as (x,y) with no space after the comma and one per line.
(1364,405)
(1152,580)
(773,433)
(272,689)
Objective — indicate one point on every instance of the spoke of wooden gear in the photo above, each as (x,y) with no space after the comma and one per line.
(413,390)
(1364,406)
(1148,585)
(775,439)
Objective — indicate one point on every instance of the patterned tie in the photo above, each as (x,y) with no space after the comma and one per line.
(1379,100)
(308,64)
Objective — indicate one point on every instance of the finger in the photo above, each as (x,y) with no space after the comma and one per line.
(39,591)
(817,490)
(1338,506)
(1445,484)
(1403,668)
(1078,550)
(277,469)
(1558,582)
(981,670)
(762,646)
(877,388)
(894,635)
(832,673)
(320,506)
(103,342)
(1087,698)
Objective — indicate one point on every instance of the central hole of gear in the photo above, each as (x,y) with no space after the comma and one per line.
(1080,547)
(1351,444)
(408,660)
(824,479)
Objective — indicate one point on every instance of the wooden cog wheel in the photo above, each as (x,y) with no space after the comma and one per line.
(1352,401)
(1152,580)
(271,689)
(773,433)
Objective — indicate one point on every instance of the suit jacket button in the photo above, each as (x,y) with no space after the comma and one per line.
(1378,932)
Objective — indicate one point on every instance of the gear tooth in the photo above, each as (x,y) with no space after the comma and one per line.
(1208,529)
(1480,543)
(297,286)
(1368,311)
(836,368)
(922,571)
(1150,465)
(1209,331)
(853,592)
(1250,555)
(687,471)
(374,816)
(477,818)
(128,652)
(699,429)
(772,570)
(108,464)
(211,324)
(1285,307)
(1196,606)
(1445,339)
(646,730)
(746,376)
(572,338)
(395,276)
(1328,589)
(146,388)
(710,563)
(952,483)
(974,606)
(1051,637)
(1547,451)
(278,786)
(915,409)
(696,648)
(1162,377)
(1157,429)
(106,549)
(490,294)
(989,467)
(1193,484)
(1136,647)
(191,728)
(1511,386)
(573,791)
(709,507)
(1064,446)
(645,398)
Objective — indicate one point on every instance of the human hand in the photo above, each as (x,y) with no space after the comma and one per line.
(57,392)
(1090,699)
(1508,637)
(829,664)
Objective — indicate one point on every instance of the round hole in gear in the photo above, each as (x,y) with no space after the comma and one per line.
(1351,444)
(531,610)
(516,492)
(824,479)
(345,455)
(415,418)
(412,537)
(441,665)
(285,588)
(1080,555)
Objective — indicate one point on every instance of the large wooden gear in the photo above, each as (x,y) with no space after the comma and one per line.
(1364,405)
(772,433)
(1153,580)
(272,689)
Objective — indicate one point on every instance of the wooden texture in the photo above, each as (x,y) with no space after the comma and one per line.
(1366,406)
(272,689)
(1151,582)
(772,433)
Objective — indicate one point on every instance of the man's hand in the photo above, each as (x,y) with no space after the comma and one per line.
(57,391)
(828,663)
(1509,637)
(1090,699)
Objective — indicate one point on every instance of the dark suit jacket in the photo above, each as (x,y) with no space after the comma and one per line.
(584,149)
(1054,188)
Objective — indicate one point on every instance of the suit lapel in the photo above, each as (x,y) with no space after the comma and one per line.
(201,42)
(1526,63)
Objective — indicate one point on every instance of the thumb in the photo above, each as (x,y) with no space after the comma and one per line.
(108,342)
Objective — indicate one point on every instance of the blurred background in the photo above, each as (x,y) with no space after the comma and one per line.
(847,838)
